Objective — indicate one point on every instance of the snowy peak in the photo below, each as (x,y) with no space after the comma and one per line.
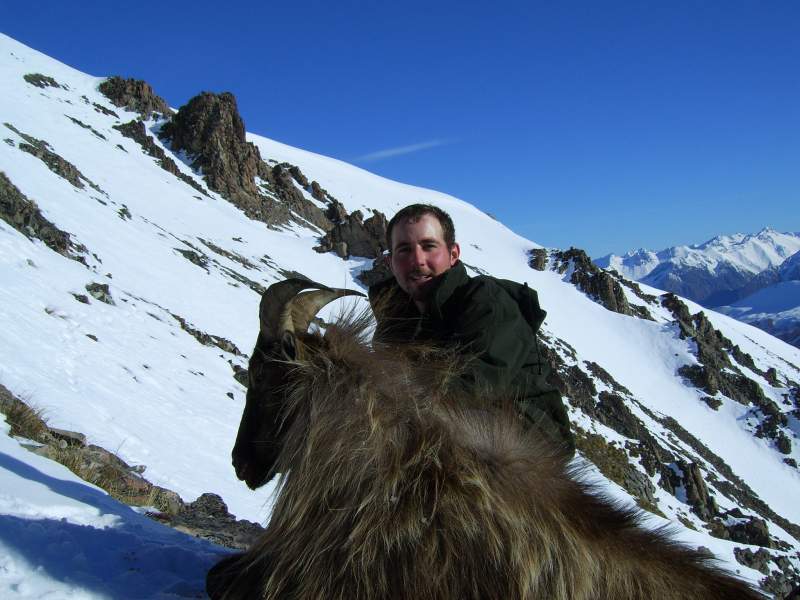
(712,273)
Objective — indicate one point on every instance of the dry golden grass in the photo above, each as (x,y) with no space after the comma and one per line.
(25,421)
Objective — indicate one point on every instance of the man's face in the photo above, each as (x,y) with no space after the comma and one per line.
(419,255)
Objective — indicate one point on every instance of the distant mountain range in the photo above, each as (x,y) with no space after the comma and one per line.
(752,277)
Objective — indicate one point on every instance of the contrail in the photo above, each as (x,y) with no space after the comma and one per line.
(389,152)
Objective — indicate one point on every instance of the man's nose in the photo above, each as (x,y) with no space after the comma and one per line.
(419,256)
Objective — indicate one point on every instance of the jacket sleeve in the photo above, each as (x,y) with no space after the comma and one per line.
(491,328)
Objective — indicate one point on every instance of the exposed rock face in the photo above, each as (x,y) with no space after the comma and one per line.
(378,272)
(538,259)
(208,518)
(602,286)
(758,560)
(357,237)
(135,95)
(137,132)
(42,81)
(717,373)
(697,494)
(58,165)
(210,130)
(100,291)
(24,216)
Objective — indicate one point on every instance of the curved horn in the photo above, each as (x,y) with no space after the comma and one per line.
(305,307)
(283,310)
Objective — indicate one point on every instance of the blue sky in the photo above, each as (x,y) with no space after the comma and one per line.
(604,125)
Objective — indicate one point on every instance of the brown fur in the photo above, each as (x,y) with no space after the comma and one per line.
(396,487)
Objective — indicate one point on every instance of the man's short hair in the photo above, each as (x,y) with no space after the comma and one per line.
(414,212)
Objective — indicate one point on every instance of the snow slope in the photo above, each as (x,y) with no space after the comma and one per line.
(145,388)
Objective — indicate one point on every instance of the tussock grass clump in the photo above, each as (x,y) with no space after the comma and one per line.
(25,421)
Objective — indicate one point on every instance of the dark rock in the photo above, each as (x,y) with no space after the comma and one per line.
(67,438)
(362,238)
(136,131)
(240,374)
(24,216)
(702,503)
(100,291)
(208,518)
(298,176)
(378,272)
(42,81)
(58,165)
(771,376)
(336,212)
(758,560)
(83,125)
(104,111)
(135,95)
(208,339)
(753,531)
(537,259)
(733,487)
(783,443)
(210,130)
(603,286)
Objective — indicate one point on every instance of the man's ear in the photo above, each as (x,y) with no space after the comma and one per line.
(455,253)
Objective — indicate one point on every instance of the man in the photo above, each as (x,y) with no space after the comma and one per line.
(430,298)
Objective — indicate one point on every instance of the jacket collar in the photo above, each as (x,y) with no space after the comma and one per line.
(450,281)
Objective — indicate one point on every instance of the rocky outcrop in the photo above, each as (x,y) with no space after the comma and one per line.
(702,503)
(42,81)
(600,285)
(24,216)
(135,95)
(355,236)
(136,131)
(58,165)
(100,291)
(718,372)
(378,272)
(537,259)
(208,518)
(211,132)
(208,339)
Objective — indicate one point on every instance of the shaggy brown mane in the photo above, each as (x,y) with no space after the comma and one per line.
(397,484)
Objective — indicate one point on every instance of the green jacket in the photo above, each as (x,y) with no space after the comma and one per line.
(478,315)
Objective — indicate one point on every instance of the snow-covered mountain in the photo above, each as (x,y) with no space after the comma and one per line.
(713,273)
(131,261)
(774,307)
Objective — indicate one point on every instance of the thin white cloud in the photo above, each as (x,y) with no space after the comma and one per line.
(400,150)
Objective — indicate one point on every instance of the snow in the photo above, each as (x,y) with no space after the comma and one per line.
(61,537)
(148,391)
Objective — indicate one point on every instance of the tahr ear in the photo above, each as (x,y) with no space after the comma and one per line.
(288,345)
